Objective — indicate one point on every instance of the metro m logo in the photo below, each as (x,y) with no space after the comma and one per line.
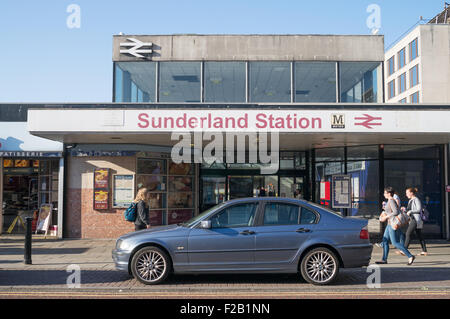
(337,121)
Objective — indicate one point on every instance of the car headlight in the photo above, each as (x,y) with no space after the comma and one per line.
(122,245)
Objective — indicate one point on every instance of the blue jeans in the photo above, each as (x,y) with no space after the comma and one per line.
(397,239)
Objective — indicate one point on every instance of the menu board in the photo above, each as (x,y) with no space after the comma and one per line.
(123,193)
(101,188)
(45,213)
(342,191)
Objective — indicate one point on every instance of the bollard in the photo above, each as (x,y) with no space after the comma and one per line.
(27,261)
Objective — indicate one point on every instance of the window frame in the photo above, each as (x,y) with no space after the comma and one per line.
(416,51)
(391,62)
(411,85)
(400,53)
(411,97)
(263,213)
(402,83)
(391,93)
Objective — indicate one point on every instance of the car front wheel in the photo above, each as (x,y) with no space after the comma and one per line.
(150,265)
(320,266)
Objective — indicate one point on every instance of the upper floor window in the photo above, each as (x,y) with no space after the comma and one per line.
(391,65)
(270,82)
(179,81)
(413,50)
(361,82)
(225,81)
(315,82)
(415,97)
(391,89)
(135,82)
(414,76)
(402,83)
(401,58)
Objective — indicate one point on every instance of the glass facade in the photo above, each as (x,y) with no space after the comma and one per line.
(135,82)
(179,82)
(360,82)
(270,82)
(225,82)
(242,81)
(315,82)
(398,166)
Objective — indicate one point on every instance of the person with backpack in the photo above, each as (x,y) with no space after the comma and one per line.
(142,202)
(392,232)
(414,211)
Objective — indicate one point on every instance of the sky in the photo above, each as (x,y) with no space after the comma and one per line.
(43,60)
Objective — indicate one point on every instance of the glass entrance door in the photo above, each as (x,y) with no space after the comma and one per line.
(292,187)
(240,186)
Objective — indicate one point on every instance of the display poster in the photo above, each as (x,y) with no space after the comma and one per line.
(123,190)
(44,217)
(179,216)
(342,191)
(101,188)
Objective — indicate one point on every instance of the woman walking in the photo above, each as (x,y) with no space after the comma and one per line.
(391,234)
(142,209)
(415,221)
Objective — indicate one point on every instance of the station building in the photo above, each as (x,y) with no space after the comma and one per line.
(322,94)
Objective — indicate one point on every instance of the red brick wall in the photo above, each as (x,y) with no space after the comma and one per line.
(82,221)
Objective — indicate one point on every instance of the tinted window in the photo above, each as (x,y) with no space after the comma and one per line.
(135,82)
(179,82)
(235,216)
(315,82)
(225,81)
(280,214)
(270,82)
(307,216)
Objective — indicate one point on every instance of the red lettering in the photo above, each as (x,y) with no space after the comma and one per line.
(143,117)
(261,117)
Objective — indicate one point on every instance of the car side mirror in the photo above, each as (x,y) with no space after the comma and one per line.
(205,224)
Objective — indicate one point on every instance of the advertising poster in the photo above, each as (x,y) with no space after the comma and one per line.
(101,188)
(43,222)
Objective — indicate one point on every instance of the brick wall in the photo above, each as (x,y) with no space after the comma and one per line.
(80,219)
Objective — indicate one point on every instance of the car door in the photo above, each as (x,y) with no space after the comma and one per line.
(230,242)
(284,227)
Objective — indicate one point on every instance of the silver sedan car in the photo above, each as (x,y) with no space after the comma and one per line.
(250,235)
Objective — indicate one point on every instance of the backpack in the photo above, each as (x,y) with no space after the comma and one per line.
(131,213)
(425,214)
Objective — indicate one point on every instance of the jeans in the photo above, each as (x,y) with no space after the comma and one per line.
(413,227)
(395,236)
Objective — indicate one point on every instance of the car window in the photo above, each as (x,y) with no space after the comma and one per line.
(239,215)
(307,216)
(280,214)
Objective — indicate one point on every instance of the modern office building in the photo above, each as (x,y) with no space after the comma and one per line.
(417,66)
(339,145)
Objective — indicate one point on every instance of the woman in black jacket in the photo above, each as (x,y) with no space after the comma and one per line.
(142,201)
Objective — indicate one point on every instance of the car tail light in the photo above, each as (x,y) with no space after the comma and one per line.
(364,234)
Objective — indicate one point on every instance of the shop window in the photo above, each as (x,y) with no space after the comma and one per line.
(171,187)
(315,82)
(225,82)
(292,160)
(135,82)
(411,151)
(329,154)
(270,81)
(362,152)
(179,82)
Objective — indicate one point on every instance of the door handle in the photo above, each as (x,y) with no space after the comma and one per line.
(247,232)
(303,230)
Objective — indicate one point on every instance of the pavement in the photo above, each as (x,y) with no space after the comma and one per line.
(49,276)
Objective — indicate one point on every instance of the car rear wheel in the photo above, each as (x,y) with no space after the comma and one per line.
(151,265)
(320,266)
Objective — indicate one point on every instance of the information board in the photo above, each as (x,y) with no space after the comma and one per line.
(123,190)
(341,189)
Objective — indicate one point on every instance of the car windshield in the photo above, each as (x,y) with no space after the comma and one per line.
(195,219)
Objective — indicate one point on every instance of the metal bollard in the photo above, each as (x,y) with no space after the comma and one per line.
(27,260)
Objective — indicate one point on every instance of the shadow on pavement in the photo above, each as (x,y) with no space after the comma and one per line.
(43,251)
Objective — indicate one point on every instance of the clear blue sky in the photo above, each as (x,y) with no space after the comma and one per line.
(42,60)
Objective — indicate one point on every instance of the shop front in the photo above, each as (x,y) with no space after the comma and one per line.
(31,181)
(370,149)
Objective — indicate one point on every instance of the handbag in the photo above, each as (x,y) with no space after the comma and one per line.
(399,221)
(424,214)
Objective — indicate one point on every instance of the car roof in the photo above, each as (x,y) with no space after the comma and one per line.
(259,199)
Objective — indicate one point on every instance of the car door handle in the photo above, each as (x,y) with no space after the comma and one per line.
(303,230)
(247,232)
